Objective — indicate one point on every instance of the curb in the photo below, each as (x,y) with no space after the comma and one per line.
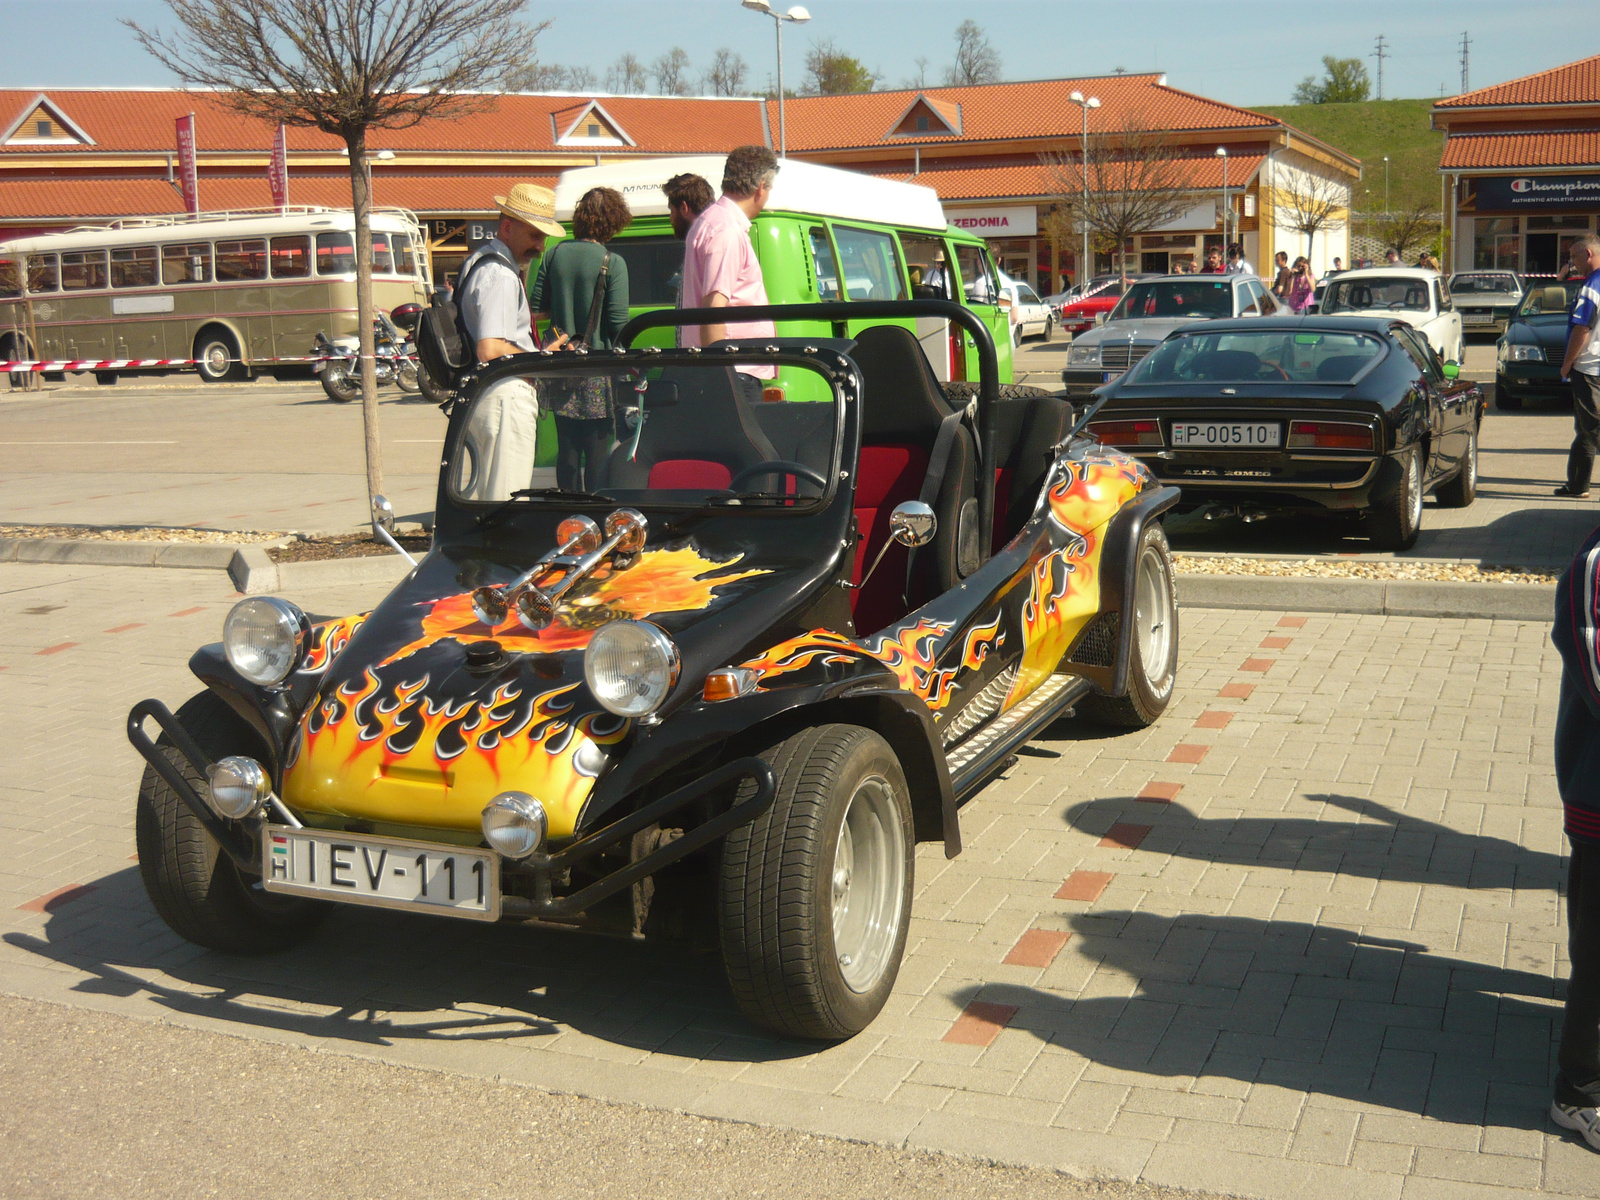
(254,573)
(93,552)
(1377,597)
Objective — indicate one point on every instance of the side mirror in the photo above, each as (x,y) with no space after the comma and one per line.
(912,523)
(1452,370)
(383,526)
(1099,318)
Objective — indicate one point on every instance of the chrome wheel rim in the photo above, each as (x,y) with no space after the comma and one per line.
(217,359)
(1414,490)
(1470,467)
(868,885)
(1152,613)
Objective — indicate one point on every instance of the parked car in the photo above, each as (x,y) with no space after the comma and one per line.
(1485,299)
(777,644)
(1528,355)
(1099,299)
(1415,295)
(1030,316)
(1152,308)
(1312,415)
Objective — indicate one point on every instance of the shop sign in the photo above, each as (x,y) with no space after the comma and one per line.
(1532,192)
(1021,221)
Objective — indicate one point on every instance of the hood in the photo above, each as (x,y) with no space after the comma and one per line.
(1539,329)
(403,730)
(1144,330)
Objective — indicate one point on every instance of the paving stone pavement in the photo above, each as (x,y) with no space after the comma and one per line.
(1301,938)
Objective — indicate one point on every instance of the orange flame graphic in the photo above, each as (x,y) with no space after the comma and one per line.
(328,641)
(981,639)
(909,653)
(1094,489)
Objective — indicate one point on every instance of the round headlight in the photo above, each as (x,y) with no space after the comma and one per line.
(630,666)
(265,638)
(238,786)
(514,824)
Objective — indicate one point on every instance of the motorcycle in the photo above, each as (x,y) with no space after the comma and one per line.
(394,359)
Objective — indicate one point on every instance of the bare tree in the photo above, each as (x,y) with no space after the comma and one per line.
(347,67)
(1313,203)
(627,76)
(1408,227)
(727,74)
(976,60)
(548,77)
(672,72)
(920,79)
(1136,182)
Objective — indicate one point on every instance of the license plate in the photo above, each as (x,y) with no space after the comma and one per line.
(451,881)
(1477,318)
(1226,434)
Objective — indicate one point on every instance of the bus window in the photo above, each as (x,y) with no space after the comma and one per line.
(44,275)
(291,257)
(133,266)
(10,278)
(382,260)
(977,280)
(872,268)
(929,272)
(827,270)
(336,254)
(408,259)
(83,270)
(186,264)
(241,260)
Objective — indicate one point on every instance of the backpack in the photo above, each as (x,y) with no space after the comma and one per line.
(445,346)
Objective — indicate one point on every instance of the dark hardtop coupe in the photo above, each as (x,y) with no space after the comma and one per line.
(1314,415)
(1529,353)
(790,627)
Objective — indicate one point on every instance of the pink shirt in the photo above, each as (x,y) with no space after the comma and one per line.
(719,257)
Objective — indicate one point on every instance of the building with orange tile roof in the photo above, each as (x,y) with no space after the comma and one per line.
(73,156)
(1523,161)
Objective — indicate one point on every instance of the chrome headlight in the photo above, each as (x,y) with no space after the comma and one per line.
(1519,352)
(514,824)
(1087,356)
(239,785)
(265,638)
(630,667)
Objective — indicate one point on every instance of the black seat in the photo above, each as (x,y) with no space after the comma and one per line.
(1341,369)
(1227,365)
(699,435)
(1027,431)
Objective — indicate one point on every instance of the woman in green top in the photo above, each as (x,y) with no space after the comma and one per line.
(567,287)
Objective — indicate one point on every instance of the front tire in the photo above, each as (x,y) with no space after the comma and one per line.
(1396,516)
(815,895)
(407,376)
(1153,656)
(430,390)
(195,887)
(1463,489)
(338,382)
(1049,329)
(217,356)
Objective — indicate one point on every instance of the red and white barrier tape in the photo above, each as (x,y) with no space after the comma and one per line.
(129,364)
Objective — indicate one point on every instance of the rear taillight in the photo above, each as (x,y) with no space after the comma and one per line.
(1329,435)
(1127,433)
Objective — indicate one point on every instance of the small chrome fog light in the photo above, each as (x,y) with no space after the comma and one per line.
(239,786)
(514,824)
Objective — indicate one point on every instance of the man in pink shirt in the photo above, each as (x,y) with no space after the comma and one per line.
(719,262)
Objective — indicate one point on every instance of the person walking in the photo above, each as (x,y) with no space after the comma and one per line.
(1580,368)
(720,268)
(1302,287)
(1280,284)
(1576,1102)
(584,287)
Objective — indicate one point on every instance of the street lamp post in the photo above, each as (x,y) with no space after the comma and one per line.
(1385,185)
(798,15)
(1227,209)
(1085,267)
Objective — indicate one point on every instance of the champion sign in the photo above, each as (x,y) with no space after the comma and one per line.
(1539,192)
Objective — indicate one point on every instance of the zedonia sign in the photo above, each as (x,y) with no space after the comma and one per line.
(1526,192)
(1022,221)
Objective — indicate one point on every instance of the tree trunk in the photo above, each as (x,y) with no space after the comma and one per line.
(361,194)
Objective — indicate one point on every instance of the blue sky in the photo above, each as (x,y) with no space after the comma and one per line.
(1241,51)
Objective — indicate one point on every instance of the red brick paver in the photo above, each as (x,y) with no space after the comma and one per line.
(1164,793)
(1292,622)
(57,649)
(1237,691)
(1186,752)
(1038,948)
(980,1023)
(1214,718)
(1275,643)
(125,628)
(1084,885)
(51,901)
(1256,664)
(1123,836)
(186,612)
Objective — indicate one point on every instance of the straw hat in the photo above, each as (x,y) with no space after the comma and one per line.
(532,205)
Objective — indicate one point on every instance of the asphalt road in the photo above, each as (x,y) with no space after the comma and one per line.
(102,1105)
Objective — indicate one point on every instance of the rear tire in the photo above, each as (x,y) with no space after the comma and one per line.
(1049,329)
(1153,656)
(105,378)
(195,887)
(431,391)
(336,381)
(1395,518)
(406,376)
(1463,489)
(814,898)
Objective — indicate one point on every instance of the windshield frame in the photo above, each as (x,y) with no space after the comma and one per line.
(1215,283)
(1134,376)
(1516,293)
(838,371)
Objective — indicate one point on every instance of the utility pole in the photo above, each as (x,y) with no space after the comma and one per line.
(1465,42)
(1381,53)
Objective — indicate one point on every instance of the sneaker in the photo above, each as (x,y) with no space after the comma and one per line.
(1583,1121)
(1570,494)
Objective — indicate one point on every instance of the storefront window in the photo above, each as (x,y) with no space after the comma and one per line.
(1495,244)
(1572,221)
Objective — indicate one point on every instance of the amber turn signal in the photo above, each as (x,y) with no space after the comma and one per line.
(730,683)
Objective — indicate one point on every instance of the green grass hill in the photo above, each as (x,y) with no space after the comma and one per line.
(1371,129)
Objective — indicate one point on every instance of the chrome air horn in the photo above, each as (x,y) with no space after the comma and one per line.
(579,552)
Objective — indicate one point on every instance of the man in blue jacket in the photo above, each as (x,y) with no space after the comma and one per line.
(1577,637)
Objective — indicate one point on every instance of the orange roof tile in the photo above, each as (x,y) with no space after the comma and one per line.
(1573,148)
(1203,171)
(1575,83)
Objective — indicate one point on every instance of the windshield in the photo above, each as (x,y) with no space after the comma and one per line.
(1483,285)
(1176,298)
(10,278)
(1258,356)
(677,435)
(1549,298)
(1389,293)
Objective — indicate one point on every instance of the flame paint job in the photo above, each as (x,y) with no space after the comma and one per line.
(328,640)
(909,649)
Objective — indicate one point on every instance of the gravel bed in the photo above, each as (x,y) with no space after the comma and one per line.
(1345,568)
(144,533)
(348,545)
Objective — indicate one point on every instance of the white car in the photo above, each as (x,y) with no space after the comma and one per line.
(1415,295)
(1030,316)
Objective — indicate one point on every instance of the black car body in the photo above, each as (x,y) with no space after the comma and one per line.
(1301,414)
(689,681)
(1485,299)
(1528,355)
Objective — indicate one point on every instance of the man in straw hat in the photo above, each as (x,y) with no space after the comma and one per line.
(503,429)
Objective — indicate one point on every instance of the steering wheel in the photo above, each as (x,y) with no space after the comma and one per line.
(777,466)
(1282,374)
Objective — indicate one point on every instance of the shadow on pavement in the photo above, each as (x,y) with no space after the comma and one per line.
(1307,1008)
(1385,844)
(382,977)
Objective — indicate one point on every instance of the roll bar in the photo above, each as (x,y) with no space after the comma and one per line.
(858,310)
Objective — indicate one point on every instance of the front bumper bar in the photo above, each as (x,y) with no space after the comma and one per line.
(241,840)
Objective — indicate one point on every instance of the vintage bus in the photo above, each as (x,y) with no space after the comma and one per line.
(232,291)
